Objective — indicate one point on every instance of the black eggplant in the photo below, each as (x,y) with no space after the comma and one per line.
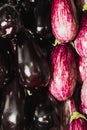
(10,21)
(42,111)
(7,69)
(32,66)
(38,18)
(12,107)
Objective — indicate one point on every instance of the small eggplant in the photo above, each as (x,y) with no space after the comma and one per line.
(32,66)
(10,21)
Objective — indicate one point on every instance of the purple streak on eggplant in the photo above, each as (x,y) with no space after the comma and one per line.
(81,40)
(43,112)
(82,68)
(32,66)
(83,97)
(78,124)
(12,107)
(64,20)
(64,78)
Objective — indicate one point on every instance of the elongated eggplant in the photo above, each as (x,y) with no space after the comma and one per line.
(7,68)
(64,78)
(81,40)
(12,107)
(64,20)
(32,66)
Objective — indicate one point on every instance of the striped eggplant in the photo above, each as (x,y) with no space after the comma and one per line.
(64,20)
(64,78)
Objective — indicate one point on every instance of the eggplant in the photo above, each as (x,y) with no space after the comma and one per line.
(12,106)
(78,123)
(7,69)
(82,68)
(42,111)
(83,107)
(64,68)
(67,108)
(64,20)
(38,18)
(80,41)
(32,66)
(10,21)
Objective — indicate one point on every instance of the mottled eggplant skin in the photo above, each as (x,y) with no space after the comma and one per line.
(64,72)
(82,68)
(32,66)
(81,39)
(64,20)
(12,107)
(83,97)
(78,124)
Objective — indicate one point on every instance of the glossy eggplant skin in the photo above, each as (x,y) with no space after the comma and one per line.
(12,107)
(10,21)
(42,111)
(7,69)
(32,66)
(38,18)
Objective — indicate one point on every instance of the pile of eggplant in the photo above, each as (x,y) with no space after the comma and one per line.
(43,65)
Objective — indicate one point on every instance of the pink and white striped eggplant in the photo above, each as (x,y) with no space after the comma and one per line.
(78,124)
(81,39)
(64,20)
(84,97)
(64,72)
(82,68)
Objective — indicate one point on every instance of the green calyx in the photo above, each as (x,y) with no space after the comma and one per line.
(84,7)
(56,42)
(77,115)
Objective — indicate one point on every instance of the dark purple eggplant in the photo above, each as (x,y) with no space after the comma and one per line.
(10,21)
(38,18)
(7,69)
(32,66)
(42,111)
(12,107)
